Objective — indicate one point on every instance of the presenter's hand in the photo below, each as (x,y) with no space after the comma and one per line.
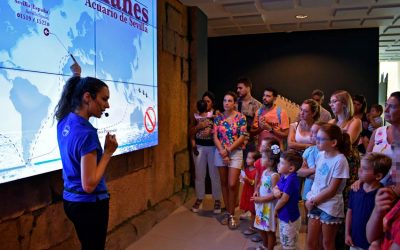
(76,69)
(110,144)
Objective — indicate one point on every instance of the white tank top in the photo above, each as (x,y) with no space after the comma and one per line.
(381,144)
(299,137)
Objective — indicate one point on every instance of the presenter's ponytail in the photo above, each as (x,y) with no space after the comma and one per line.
(71,96)
(64,105)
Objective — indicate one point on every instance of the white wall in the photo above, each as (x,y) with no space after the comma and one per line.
(393,70)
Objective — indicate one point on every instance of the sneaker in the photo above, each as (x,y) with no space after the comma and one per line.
(249,231)
(196,206)
(217,207)
(232,223)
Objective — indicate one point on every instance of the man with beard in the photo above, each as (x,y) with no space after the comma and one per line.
(318,96)
(248,106)
(270,121)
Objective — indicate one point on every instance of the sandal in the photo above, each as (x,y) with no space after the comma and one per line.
(217,207)
(249,231)
(256,238)
(196,206)
(223,219)
(232,222)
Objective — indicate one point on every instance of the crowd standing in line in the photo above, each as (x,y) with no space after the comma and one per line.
(349,198)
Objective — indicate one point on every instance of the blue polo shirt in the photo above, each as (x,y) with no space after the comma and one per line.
(77,137)
(290,185)
(361,205)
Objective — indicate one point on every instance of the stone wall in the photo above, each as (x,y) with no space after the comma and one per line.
(145,185)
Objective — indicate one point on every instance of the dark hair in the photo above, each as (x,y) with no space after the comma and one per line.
(233,94)
(257,154)
(273,157)
(274,91)
(396,95)
(72,93)
(293,157)
(335,133)
(210,95)
(380,163)
(378,108)
(245,81)
(361,99)
(317,92)
(201,106)
(315,108)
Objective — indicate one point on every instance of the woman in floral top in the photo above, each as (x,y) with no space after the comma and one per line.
(229,136)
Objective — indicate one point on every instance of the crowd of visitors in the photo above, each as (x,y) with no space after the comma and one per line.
(344,168)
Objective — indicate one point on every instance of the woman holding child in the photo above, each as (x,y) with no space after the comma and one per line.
(229,136)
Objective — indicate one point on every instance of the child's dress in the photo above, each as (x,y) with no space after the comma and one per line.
(265,218)
(248,191)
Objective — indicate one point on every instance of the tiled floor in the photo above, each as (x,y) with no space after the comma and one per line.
(185,230)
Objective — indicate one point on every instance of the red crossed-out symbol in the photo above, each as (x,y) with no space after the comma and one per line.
(150,120)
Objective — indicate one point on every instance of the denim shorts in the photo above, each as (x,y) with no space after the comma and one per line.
(236,159)
(325,218)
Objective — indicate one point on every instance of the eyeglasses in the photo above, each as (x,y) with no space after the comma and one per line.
(333,102)
(321,139)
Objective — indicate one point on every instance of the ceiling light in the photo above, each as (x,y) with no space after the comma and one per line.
(301,16)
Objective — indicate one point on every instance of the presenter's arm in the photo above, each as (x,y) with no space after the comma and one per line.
(75,69)
(93,172)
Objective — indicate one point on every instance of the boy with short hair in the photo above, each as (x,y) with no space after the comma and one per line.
(287,193)
(374,166)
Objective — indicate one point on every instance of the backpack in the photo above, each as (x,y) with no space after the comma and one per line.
(278,112)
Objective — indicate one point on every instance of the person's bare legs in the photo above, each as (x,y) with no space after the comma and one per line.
(329,234)
(271,239)
(223,175)
(264,237)
(314,231)
(233,184)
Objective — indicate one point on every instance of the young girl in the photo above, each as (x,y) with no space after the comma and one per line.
(308,169)
(325,200)
(248,179)
(264,199)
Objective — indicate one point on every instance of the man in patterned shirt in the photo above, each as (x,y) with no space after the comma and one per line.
(248,106)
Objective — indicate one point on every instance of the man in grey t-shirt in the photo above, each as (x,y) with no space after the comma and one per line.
(318,96)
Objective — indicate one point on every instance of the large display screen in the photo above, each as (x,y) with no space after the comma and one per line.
(113,40)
